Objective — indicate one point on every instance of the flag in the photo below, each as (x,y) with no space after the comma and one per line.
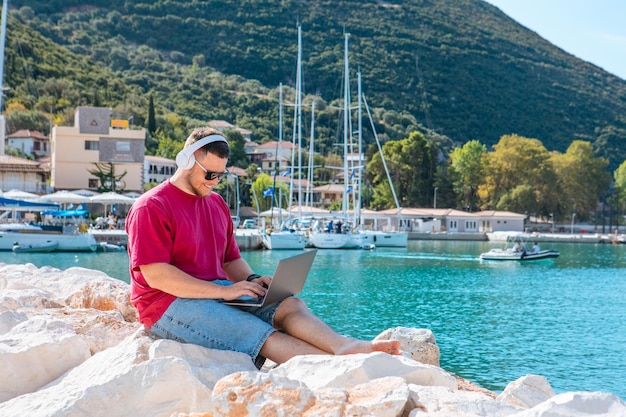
(349,190)
(269,192)
(285,173)
(352,174)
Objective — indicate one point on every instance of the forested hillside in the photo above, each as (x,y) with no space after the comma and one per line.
(458,67)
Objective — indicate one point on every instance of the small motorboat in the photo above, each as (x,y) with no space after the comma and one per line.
(510,255)
(517,250)
(47,246)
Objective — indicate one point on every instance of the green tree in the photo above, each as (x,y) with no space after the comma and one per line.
(167,147)
(151,123)
(238,156)
(582,179)
(412,164)
(620,185)
(18,118)
(109,180)
(517,161)
(466,165)
(263,183)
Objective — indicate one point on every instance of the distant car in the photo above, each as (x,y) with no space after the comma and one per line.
(249,224)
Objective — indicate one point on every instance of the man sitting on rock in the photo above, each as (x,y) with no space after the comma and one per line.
(184,258)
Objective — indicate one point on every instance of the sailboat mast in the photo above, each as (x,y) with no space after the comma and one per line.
(309,190)
(346,124)
(5,8)
(297,129)
(360,167)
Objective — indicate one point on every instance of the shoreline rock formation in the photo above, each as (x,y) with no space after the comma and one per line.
(70,345)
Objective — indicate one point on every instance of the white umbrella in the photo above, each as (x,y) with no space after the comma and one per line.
(65,197)
(111,198)
(85,192)
(20,195)
(276,212)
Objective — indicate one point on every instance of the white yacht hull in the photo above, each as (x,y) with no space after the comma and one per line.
(337,240)
(284,240)
(80,242)
(385,239)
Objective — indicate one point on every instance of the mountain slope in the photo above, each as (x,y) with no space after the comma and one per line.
(459,67)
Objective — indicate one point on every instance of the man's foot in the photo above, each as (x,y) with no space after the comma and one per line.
(391,347)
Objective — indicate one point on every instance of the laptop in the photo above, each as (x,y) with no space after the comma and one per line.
(288,280)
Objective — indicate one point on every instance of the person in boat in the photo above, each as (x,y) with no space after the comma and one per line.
(184,259)
(535,249)
(518,247)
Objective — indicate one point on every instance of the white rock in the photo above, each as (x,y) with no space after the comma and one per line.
(383,397)
(579,404)
(117,382)
(36,352)
(261,394)
(208,365)
(101,329)
(419,343)
(9,318)
(75,287)
(443,402)
(347,371)
(527,391)
(11,299)
(45,314)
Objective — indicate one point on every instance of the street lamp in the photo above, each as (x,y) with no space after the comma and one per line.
(435,198)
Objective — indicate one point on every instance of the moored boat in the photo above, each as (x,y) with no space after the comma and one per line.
(47,246)
(517,250)
(66,227)
(283,239)
(385,239)
(510,255)
(35,236)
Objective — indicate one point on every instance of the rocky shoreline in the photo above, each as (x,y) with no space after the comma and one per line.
(70,345)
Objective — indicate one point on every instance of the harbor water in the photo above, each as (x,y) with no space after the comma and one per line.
(494,322)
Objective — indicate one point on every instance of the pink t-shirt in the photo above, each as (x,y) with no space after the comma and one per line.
(190,232)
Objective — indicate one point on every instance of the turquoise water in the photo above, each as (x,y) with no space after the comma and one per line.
(564,319)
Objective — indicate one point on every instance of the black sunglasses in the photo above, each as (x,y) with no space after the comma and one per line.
(210,175)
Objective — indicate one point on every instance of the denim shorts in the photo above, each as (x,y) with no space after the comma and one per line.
(209,323)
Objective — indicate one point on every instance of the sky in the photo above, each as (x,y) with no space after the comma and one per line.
(592,30)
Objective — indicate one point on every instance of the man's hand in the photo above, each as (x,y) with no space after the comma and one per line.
(252,288)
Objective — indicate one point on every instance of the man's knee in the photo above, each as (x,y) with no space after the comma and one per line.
(288,307)
(292,304)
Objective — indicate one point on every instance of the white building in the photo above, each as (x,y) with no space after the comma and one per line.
(95,139)
(29,142)
(157,169)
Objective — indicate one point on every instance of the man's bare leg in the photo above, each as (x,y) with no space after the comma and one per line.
(294,318)
(281,347)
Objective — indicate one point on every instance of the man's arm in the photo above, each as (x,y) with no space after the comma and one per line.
(239,270)
(169,279)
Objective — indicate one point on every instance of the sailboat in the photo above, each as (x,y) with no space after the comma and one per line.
(380,238)
(344,236)
(286,237)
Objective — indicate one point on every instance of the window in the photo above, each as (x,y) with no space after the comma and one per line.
(92,145)
(122,147)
